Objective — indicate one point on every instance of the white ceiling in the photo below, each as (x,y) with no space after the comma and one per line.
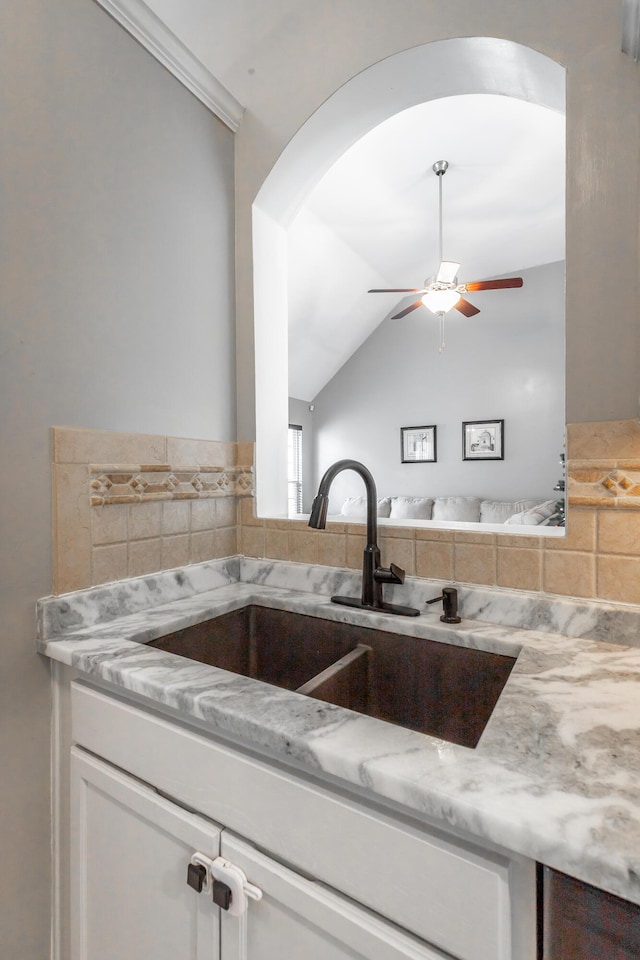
(372,220)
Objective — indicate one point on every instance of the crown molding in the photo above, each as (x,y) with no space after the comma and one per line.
(138,20)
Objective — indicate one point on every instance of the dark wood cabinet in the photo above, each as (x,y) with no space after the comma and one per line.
(581,922)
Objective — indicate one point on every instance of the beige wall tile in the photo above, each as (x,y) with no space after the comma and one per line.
(277,544)
(402,533)
(619,531)
(333,527)
(203,546)
(244,454)
(287,525)
(619,579)
(473,536)
(203,515)
(226,511)
(425,533)
(527,542)
(109,563)
(176,517)
(355,550)
(474,563)
(159,531)
(210,453)
(145,520)
(108,524)
(104,446)
(247,512)
(145,556)
(225,542)
(72,528)
(332,549)
(569,573)
(519,569)
(615,439)
(434,559)
(400,552)
(252,542)
(303,545)
(175,551)
(580,531)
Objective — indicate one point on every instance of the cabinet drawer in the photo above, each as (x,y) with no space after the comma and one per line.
(450,893)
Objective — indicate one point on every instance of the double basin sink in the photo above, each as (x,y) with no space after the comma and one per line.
(435,688)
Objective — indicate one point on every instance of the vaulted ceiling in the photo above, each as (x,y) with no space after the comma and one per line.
(372,221)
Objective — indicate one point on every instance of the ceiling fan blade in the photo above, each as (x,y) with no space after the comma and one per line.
(492,284)
(467,308)
(403,313)
(399,290)
(448,271)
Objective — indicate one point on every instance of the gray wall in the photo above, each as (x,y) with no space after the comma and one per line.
(507,363)
(117,313)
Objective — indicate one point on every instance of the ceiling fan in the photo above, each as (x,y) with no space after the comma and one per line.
(443,292)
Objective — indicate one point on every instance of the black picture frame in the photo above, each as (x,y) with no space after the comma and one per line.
(483,440)
(418,444)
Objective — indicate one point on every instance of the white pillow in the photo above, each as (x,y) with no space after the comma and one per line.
(537,515)
(411,508)
(457,508)
(356,507)
(499,511)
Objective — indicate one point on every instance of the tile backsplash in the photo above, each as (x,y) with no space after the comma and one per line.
(599,558)
(127,505)
(132,504)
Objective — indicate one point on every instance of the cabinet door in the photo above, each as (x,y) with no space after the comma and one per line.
(302,920)
(584,923)
(130,851)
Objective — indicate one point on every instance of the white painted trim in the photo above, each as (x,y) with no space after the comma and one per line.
(149,30)
(56,883)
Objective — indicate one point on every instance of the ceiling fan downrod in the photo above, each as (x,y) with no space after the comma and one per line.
(440,167)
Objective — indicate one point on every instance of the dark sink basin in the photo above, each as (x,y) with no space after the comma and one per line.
(436,688)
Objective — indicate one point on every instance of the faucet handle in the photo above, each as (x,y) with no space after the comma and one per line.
(390,574)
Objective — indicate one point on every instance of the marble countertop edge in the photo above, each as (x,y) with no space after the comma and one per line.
(555,776)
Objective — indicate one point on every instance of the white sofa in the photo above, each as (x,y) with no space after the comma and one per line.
(466,509)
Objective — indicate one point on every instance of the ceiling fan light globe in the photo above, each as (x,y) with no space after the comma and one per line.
(440,301)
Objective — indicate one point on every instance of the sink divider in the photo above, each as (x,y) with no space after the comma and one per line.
(346,682)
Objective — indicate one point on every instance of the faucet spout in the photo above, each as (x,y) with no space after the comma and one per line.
(373,574)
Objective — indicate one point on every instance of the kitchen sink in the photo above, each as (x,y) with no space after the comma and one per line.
(440,689)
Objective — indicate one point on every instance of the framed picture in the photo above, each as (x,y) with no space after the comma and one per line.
(483,440)
(418,444)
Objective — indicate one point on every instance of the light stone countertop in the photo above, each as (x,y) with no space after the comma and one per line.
(555,776)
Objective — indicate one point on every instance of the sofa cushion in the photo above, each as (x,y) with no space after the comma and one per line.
(356,507)
(411,508)
(456,508)
(536,515)
(499,511)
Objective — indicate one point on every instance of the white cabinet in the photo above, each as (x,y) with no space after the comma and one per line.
(359,881)
(299,919)
(130,850)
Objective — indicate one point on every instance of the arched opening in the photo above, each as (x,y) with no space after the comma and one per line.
(430,72)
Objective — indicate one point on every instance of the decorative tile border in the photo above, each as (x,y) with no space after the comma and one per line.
(598,483)
(145,483)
